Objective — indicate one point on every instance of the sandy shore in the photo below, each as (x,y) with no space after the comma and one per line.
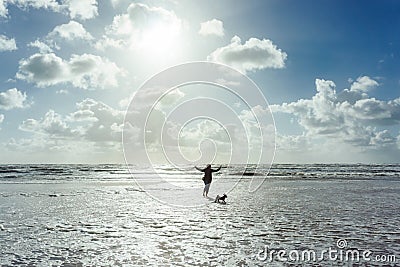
(115,224)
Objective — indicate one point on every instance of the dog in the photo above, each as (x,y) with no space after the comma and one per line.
(221,199)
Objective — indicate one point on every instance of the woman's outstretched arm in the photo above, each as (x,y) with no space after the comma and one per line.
(197,168)
(216,170)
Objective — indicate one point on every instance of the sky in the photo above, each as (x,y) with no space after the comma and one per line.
(329,71)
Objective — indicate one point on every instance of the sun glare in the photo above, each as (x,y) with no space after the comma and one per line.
(161,40)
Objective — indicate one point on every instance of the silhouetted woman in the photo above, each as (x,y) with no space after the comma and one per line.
(207,177)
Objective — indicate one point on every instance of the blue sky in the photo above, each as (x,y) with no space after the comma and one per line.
(329,70)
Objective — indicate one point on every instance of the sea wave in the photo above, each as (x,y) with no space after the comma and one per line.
(58,173)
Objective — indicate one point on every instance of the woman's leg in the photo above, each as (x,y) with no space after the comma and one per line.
(206,188)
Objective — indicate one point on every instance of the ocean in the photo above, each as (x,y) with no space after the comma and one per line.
(105,215)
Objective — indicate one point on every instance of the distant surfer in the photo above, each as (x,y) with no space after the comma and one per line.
(207,179)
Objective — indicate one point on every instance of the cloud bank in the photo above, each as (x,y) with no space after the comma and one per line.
(93,124)
(350,116)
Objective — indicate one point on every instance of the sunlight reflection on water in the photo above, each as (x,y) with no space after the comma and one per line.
(89,222)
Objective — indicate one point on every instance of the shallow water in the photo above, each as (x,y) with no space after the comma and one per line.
(97,216)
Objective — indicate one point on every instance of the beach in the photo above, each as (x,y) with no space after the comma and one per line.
(96,215)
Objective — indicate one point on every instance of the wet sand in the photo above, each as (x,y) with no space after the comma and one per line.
(117,224)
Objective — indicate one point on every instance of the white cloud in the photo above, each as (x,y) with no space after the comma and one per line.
(106,42)
(140,17)
(82,9)
(83,115)
(62,92)
(52,124)
(168,100)
(124,103)
(151,96)
(7,44)
(191,136)
(383,138)
(44,69)
(372,109)
(1,118)
(254,54)
(3,9)
(93,121)
(353,121)
(40,143)
(105,123)
(212,27)
(70,31)
(46,4)
(259,127)
(90,134)
(42,46)
(52,5)
(364,84)
(115,3)
(79,9)
(299,143)
(249,139)
(83,71)
(142,26)
(13,98)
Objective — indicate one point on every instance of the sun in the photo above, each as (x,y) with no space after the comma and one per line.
(160,39)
